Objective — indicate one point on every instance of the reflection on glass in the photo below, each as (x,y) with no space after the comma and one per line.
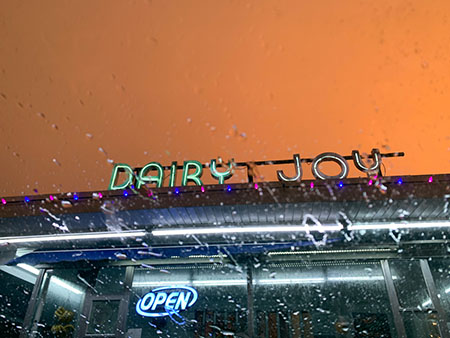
(61,297)
(409,284)
(103,317)
(347,299)
(328,299)
(440,269)
(16,287)
(421,324)
(220,310)
(109,280)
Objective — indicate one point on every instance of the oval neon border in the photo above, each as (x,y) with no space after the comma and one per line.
(163,314)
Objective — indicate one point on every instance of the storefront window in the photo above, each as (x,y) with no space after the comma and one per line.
(419,314)
(109,280)
(410,284)
(61,296)
(103,317)
(17,284)
(249,296)
(440,269)
(221,306)
(421,324)
(329,299)
(284,299)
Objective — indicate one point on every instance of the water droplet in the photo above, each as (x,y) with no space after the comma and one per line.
(66,204)
(121,255)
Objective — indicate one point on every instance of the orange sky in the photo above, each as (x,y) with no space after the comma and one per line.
(175,80)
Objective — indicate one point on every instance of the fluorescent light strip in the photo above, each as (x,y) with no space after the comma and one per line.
(161,283)
(290,281)
(224,282)
(248,229)
(28,268)
(270,281)
(69,237)
(296,228)
(412,225)
(54,279)
(66,286)
(354,278)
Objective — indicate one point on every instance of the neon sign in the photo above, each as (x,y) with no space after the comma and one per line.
(166,301)
(192,171)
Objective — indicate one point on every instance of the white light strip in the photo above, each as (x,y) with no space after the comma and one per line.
(412,225)
(248,229)
(296,228)
(28,268)
(354,278)
(69,237)
(66,286)
(219,282)
(270,281)
(54,279)
(290,281)
(160,283)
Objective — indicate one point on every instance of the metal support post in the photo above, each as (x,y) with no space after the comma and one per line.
(395,305)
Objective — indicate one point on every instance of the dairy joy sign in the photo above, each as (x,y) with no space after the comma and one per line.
(192,171)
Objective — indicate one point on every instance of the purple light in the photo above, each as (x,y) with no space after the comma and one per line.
(228,188)
(311,185)
(341,185)
(149,194)
(399,181)
(27,199)
(430,179)
(51,197)
(370,182)
(202,189)
(3,201)
(100,195)
(125,193)
(256,186)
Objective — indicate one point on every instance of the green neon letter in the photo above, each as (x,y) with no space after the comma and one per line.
(117,168)
(158,179)
(173,174)
(195,176)
(221,176)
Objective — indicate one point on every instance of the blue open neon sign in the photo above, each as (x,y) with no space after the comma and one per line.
(166,301)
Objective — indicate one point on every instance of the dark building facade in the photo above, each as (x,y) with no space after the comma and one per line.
(324,258)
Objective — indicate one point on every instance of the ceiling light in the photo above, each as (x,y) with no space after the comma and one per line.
(70,237)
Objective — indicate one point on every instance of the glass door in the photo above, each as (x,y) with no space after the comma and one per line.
(104,315)
(105,307)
